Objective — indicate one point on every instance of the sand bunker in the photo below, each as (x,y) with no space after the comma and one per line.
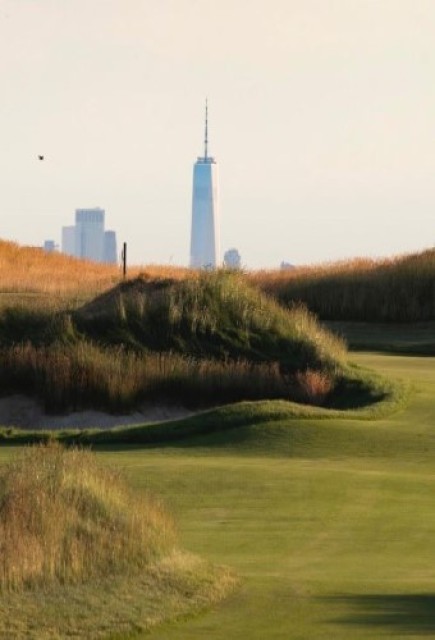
(25,413)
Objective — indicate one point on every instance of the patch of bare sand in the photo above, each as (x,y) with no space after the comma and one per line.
(25,413)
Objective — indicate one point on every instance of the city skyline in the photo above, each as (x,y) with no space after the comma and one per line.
(323,120)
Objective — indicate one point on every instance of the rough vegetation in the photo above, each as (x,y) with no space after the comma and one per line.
(400,289)
(169,335)
(200,341)
(31,276)
(65,518)
(83,555)
(214,315)
(83,375)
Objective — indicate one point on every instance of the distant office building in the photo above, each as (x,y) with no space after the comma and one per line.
(232,259)
(205,241)
(87,239)
(69,241)
(90,234)
(110,251)
(49,246)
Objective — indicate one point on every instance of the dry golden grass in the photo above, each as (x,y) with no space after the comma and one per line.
(268,278)
(84,556)
(65,518)
(398,289)
(314,386)
(32,270)
(73,377)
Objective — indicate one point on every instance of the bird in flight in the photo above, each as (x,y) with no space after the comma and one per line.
(41,157)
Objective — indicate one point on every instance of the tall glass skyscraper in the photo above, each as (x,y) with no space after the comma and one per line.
(205,235)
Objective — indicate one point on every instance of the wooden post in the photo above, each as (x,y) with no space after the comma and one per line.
(124,260)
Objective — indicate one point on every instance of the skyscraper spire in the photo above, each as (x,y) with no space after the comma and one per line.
(206,130)
(205,234)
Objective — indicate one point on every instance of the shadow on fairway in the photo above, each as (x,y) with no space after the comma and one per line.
(399,614)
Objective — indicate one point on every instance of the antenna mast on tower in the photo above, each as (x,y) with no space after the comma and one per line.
(206,130)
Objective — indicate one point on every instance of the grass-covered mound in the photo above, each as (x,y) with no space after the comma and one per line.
(206,340)
(66,518)
(71,531)
(212,315)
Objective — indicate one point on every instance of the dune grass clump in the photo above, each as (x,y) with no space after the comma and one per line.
(169,335)
(204,340)
(67,519)
(215,315)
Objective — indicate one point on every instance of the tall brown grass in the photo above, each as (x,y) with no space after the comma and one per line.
(396,289)
(399,289)
(314,387)
(73,377)
(30,270)
(66,518)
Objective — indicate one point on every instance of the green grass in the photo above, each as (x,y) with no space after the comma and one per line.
(413,338)
(179,586)
(330,536)
(330,524)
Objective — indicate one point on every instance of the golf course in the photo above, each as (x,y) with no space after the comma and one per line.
(329,524)
(308,521)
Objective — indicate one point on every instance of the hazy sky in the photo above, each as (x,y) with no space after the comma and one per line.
(322,119)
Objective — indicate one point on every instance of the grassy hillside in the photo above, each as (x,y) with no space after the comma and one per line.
(400,289)
(33,277)
(167,335)
(92,554)
(64,518)
(201,340)
(212,315)
(30,270)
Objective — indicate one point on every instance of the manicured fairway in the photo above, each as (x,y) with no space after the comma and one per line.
(329,524)
(332,539)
